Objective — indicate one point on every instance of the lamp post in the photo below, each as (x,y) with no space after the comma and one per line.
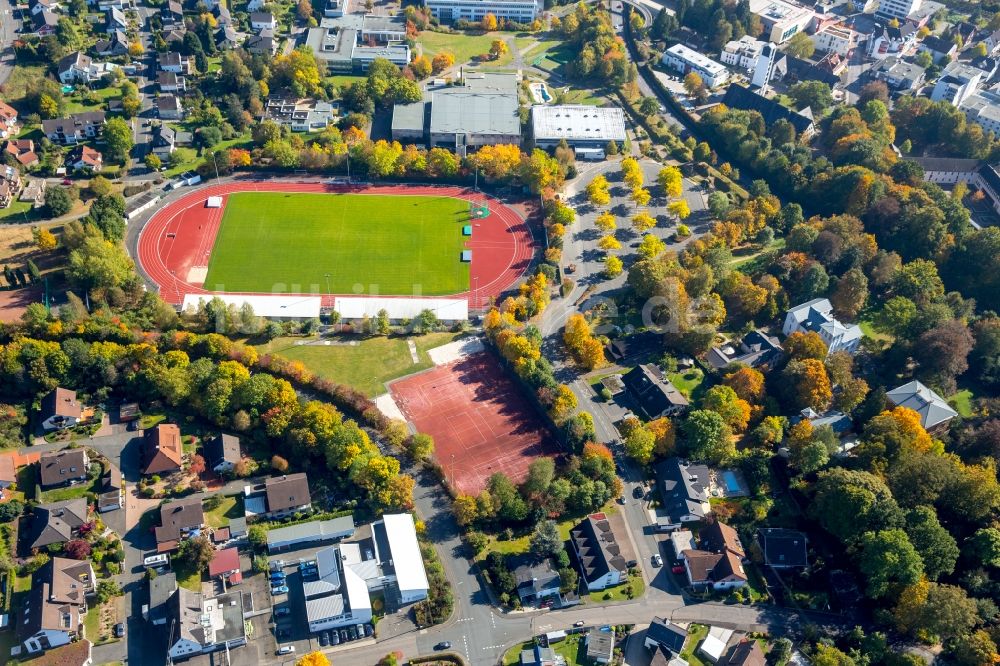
(216,163)
(327,283)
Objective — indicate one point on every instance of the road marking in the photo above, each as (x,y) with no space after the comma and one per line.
(493,647)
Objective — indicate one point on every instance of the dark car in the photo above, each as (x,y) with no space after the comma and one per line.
(133,425)
(443,645)
(120,630)
(282,612)
(368,630)
(352,633)
(334,638)
(638,492)
(324,639)
(343,635)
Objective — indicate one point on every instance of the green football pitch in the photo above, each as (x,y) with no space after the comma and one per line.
(278,242)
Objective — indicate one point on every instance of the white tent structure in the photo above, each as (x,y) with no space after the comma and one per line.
(271,306)
(353,308)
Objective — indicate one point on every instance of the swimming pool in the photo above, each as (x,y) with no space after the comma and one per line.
(730,481)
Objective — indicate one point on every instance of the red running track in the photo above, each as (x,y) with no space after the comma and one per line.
(181,235)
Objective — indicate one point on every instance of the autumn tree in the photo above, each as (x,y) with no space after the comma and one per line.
(197,465)
(643,222)
(498,47)
(421,67)
(640,196)
(605,222)
(442,61)
(489,23)
(612,266)
(313,659)
(598,191)
(800,346)
(44,239)
(587,350)
(748,383)
(679,209)
(669,179)
(279,464)
(609,243)
(734,410)
(808,384)
(707,437)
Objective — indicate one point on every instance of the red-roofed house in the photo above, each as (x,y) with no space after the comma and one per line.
(86,158)
(226,563)
(23,151)
(8,120)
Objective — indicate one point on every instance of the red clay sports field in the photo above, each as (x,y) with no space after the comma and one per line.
(179,237)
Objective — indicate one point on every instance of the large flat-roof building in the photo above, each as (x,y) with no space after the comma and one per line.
(520,11)
(580,126)
(481,110)
(781,19)
(341,49)
(682,59)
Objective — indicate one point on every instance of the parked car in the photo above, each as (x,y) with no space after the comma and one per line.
(280,589)
(578,623)
(278,575)
(368,630)
(621,499)
(133,425)
(677,568)
(120,630)
(352,633)
(324,639)
(286,649)
(657,560)
(361,631)
(638,492)
(282,611)
(277,565)
(334,637)
(443,645)
(343,635)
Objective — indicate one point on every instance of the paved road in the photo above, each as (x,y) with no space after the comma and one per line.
(9,25)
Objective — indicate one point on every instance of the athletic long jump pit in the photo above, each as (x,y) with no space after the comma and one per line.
(325,239)
(479,418)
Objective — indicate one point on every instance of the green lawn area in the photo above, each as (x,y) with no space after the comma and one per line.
(231,507)
(962,402)
(464,47)
(91,100)
(187,576)
(536,47)
(20,77)
(92,624)
(513,655)
(61,494)
(151,420)
(618,592)
(276,242)
(342,80)
(688,382)
(243,141)
(696,632)
(743,258)
(870,332)
(551,58)
(366,365)
(16,209)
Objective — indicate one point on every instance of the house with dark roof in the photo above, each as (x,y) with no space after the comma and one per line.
(537,580)
(63,468)
(44,23)
(201,624)
(116,44)
(739,97)
(222,453)
(718,561)
(161,589)
(278,497)
(57,522)
(684,492)
(654,394)
(112,490)
(179,520)
(56,605)
(60,409)
(77,127)
(172,13)
(933,410)
(938,47)
(756,350)
(637,345)
(663,634)
(781,548)
(162,449)
(745,653)
(601,555)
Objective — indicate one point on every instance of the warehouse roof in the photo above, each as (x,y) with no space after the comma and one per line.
(575,122)
(405,551)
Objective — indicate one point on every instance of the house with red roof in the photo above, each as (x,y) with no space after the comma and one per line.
(226,563)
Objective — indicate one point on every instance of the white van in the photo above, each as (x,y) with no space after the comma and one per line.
(286,649)
(156,561)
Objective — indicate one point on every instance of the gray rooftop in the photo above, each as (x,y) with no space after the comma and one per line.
(485,104)
(317,529)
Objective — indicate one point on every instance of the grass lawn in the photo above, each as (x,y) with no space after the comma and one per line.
(92,624)
(464,47)
(688,382)
(342,80)
(696,632)
(513,655)
(231,507)
(367,365)
(618,593)
(870,332)
(277,242)
(187,576)
(16,209)
(573,649)
(61,494)
(189,165)
(962,402)
(743,258)
(151,420)
(91,100)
